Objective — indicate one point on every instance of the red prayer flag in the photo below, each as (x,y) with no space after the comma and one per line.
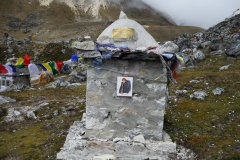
(59,66)
(3,69)
(27,59)
(173,68)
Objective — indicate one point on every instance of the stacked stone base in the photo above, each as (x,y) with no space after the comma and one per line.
(77,147)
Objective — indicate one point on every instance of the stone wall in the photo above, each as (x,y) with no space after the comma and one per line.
(109,116)
(23,80)
(14,82)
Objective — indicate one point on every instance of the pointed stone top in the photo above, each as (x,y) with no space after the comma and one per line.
(123,15)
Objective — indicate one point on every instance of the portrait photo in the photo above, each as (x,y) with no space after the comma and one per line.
(124,86)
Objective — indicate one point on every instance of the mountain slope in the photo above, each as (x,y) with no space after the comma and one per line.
(57,21)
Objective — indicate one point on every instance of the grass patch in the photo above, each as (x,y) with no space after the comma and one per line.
(43,137)
(209,127)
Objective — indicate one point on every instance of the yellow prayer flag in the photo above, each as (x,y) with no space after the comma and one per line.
(47,66)
(179,58)
(19,61)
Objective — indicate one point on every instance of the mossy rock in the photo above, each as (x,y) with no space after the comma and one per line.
(55,52)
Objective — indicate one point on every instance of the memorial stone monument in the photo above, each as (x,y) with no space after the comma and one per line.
(126,97)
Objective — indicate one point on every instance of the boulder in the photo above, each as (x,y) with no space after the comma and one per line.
(198,95)
(218,91)
(217,44)
(205,44)
(198,55)
(186,43)
(169,47)
(233,50)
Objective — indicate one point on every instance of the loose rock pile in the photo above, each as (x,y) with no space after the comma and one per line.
(219,39)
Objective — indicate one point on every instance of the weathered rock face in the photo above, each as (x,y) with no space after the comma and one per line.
(109,116)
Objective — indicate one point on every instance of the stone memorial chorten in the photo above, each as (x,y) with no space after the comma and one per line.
(122,124)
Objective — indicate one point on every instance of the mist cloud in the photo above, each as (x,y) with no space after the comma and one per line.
(201,13)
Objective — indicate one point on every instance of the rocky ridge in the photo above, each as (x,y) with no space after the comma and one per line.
(56,21)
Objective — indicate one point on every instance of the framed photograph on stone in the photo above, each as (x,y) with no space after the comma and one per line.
(124,86)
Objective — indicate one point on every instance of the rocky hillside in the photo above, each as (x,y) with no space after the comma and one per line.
(203,113)
(58,21)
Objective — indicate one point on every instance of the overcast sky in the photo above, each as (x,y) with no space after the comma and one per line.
(202,13)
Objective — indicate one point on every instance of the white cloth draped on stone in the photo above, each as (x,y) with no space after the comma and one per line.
(33,70)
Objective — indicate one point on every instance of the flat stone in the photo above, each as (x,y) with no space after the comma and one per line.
(115,140)
(107,135)
(159,147)
(100,144)
(124,148)
(94,134)
(89,54)
(138,147)
(87,45)
(104,157)
(139,139)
